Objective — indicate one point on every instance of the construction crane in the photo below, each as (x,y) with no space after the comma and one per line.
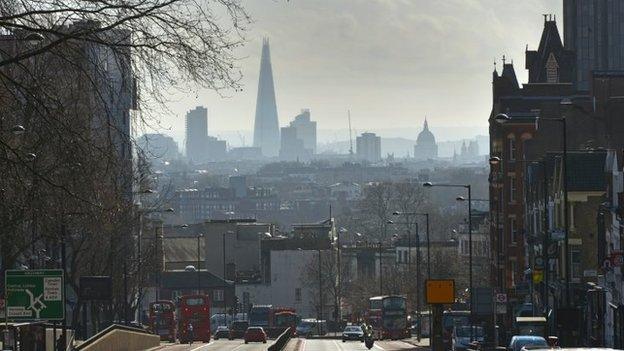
(350,134)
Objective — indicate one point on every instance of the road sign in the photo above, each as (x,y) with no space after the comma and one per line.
(440,291)
(501,298)
(34,294)
(482,301)
(96,288)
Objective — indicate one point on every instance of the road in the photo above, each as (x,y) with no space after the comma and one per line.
(220,345)
(306,345)
(337,345)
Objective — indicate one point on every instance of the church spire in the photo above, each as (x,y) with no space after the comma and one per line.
(426,125)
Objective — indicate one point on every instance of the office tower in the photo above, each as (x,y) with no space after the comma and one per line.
(594,30)
(306,130)
(368,147)
(266,127)
(196,134)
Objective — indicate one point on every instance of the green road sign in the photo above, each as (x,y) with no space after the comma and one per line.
(34,294)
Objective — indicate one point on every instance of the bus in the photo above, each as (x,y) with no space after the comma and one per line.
(260,316)
(450,320)
(266,316)
(162,319)
(286,319)
(373,315)
(388,317)
(194,309)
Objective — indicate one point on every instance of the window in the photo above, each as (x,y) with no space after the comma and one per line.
(298,294)
(512,149)
(575,257)
(552,69)
(512,189)
(512,230)
(217,295)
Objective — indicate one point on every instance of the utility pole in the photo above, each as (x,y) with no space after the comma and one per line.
(380,272)
(320,293)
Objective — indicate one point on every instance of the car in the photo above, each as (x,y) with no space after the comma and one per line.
(238,329)
(517,342)
(461,336)
(222,332)
(352,332)
(255,334)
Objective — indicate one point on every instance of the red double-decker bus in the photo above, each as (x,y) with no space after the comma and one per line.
(162,319)
(194,309)
(286,319)
(388,316)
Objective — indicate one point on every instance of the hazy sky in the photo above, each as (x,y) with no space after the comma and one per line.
(390,61)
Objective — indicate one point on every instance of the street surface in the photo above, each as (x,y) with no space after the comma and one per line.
(338,345)
(220,345)
(306,345)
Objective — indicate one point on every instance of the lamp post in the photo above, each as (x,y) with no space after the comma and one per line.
(503,118)
(468,187)
(199,237)
(380,270)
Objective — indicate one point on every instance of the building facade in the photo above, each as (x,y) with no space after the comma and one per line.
(594,31)
(426,147)
(368,147)
(196,134)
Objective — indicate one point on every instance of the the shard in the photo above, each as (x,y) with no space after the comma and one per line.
(266,126)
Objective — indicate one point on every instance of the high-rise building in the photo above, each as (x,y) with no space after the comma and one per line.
(426,147)
(306,130)
(292,148)
(594,30)
(266,126)
(298,140)
(216,149)
(368,147)
(158,146)
(196,134)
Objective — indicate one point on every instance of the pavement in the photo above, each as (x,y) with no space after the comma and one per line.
(338,345)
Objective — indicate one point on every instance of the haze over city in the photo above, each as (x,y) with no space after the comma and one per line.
(387,61)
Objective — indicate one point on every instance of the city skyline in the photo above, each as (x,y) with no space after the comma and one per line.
(405,83)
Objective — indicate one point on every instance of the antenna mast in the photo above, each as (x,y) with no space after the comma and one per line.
(350,135)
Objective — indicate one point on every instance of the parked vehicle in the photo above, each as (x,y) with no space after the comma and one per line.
(462,337)
(195,310)
(517,342)
(353,332)
(238,329)
(255,334)
(450,320)
(222,332)
(162,319)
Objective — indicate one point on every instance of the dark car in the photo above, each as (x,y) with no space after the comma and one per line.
(353,332)
(238,329)
(519,341)
(221,332)
(255,334)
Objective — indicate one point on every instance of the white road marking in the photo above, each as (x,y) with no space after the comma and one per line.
(197,348)
(378,347)
(337,345)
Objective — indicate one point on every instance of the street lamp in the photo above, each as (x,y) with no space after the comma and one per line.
(468,187)
(199,237)
(18,129)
